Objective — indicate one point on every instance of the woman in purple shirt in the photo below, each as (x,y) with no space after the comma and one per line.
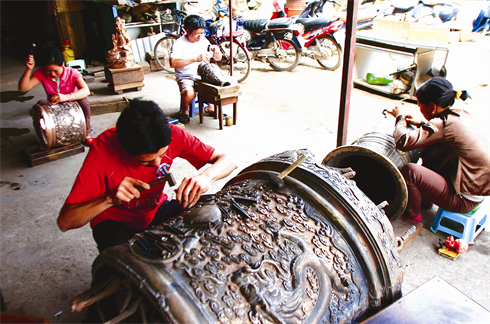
(60,82)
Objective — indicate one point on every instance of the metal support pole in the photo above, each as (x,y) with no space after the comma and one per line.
(349,49)
(230,10)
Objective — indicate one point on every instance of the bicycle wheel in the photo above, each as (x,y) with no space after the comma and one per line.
(241,61)
(328,52)
(287,55)
(162,52)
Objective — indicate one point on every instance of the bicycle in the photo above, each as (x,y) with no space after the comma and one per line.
(241,56)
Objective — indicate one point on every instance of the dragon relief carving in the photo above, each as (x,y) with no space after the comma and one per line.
(370,212)
(248,256)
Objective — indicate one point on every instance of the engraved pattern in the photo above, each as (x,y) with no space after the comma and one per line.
(258,254)
(277,275)
(369,211)
(68,123)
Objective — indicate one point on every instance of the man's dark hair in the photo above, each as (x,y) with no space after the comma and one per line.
(142,128)
(50,56)
(193,22)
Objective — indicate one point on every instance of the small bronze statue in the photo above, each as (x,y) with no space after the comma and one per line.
(121,55)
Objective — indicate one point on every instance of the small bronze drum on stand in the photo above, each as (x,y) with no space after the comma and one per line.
(59,124)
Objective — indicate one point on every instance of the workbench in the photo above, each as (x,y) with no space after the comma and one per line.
(383,56)
(219,97)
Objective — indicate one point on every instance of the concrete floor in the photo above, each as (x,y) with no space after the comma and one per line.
(42,269)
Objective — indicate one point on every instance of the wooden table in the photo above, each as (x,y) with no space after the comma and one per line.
(219,96)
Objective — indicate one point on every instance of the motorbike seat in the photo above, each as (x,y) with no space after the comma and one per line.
(446,13)
(255,25)
(402,6)
(280,23)
(315,23)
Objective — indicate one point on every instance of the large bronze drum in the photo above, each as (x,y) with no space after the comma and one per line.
(59,124)
(377,164)
(310,248)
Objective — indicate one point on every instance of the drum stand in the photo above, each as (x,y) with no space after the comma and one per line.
(37,155)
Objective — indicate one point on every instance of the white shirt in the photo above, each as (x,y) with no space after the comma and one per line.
(184,49)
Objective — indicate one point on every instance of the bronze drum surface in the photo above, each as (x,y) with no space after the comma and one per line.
(377,164)
(59,124)
(316,250)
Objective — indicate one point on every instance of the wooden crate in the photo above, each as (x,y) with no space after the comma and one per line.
(126,78)
(34,156)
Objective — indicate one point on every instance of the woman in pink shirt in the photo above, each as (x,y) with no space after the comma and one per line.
(60,82)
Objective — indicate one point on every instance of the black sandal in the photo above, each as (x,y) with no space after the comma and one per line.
(184,119)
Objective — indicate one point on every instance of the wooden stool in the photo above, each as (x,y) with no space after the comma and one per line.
(219,96)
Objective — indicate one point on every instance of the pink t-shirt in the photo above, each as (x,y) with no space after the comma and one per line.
(67,81)
(107,163)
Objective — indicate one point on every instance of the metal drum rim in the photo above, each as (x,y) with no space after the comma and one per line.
(393,169)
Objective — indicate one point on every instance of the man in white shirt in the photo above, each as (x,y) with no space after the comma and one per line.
(187,52)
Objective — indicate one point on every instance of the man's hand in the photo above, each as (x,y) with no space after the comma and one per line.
(127,190)
(191,189)
(30,63)
(202,58)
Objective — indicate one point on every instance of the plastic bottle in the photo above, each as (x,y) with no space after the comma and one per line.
(372,78)
(68,53)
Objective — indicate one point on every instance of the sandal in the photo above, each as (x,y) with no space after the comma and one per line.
(184,119)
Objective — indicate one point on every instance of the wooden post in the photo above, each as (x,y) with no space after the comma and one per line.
(349,48)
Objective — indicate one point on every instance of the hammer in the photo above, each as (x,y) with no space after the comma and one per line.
(277,180)
(167,176)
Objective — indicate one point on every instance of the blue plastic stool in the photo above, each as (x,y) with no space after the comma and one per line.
(470,221)
(194,106)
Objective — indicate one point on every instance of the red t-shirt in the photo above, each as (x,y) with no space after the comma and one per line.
(107,163)
(67,81)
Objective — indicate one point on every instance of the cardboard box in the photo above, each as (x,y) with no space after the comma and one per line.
(394,29)
(434,35)
(414,32)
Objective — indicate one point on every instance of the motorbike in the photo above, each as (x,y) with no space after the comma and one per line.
(320,43)
(276,42)
(367,10)
(482,22)
(435,13)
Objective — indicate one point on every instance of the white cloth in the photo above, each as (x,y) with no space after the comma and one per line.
(183,49)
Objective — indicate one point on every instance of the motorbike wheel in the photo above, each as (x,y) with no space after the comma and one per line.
(162,51)
(241,60)
(287,55)
(329,52)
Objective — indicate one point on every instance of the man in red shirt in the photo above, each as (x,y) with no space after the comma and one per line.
(111,190)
